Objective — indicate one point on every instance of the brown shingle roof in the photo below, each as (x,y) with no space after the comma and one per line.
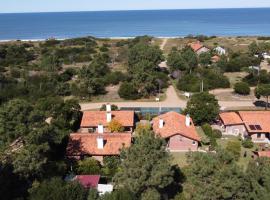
(174,123)
(86,144)
(94,118)
(230,118)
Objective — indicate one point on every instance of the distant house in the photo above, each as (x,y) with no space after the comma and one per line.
(178,130)
(220,50)
(261,154)
(97,145)
(215,59)
(253,124)
(91,120)
(198,48)
(93,182)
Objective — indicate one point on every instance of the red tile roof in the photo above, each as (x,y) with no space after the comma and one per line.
(88,181)
(86,144)
(94,118)
(230,118)
(174,124)
(196,46)
(261,118)
(264,154)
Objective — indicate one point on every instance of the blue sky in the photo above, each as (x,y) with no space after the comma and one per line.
(7,6)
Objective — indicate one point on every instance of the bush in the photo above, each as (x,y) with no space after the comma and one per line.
(217,133)
(234,146)
(247,143)
(128,91)
(88,166)
(242,88)
(207,130)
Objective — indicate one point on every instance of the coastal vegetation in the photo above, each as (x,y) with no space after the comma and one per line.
(42,84)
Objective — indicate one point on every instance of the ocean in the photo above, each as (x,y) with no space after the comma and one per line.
(117,24)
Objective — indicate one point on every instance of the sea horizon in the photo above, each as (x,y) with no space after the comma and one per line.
(172,9)
(167,23)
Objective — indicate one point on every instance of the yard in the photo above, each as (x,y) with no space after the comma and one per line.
(180,159)
(244,160)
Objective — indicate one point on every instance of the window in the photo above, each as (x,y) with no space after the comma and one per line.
(194,142)
(259,135)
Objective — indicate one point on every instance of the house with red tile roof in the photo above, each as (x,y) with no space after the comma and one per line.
(97,145)
(93,182)
(198,47)
(178,130)
(94,137)
(254,124)
(92,120)
(232,124)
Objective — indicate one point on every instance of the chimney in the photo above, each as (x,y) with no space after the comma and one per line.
(108,107)
(161,123)
(100,143)
(187,120)
(109,116)
(100,128)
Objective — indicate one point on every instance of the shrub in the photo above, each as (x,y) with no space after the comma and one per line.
(242,88)
(113,107)
(207,129)
(234,146)
(88,166)
(115,126)
(128,91)
(247,143)
(217,133)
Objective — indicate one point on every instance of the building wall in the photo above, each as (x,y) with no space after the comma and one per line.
(181,143)
(235,130)
(263,138)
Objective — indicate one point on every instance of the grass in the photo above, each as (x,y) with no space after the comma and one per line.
(243,161)
(235,77)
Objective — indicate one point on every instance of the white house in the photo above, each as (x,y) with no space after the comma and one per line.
(220,50)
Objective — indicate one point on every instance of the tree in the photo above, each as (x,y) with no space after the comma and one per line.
(205,59)
(234,146)
(115,126)
(242,88)
(190,57)
(258,178)
(151,194)
(176,61)
(120,194)
(263,90)
(143,51)
(57,189)
(113,107)
(88,166)
(213,176)
(145,165)
(202,107)
(128,91)
(111,165)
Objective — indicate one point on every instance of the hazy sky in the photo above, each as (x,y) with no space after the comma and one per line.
(92,5)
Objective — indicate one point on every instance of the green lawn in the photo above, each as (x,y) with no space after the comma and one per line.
(243,161)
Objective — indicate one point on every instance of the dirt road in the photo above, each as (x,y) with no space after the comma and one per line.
(171,100)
